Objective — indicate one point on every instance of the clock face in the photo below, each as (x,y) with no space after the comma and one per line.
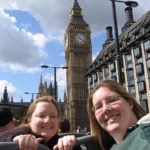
(80,38)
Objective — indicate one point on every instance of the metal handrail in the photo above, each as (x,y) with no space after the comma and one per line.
(15,146)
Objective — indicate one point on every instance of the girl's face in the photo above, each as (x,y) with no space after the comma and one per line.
(44,120)
(113,112)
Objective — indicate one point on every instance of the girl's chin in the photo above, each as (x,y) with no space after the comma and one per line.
(43,134)
(47,135)
(113,127)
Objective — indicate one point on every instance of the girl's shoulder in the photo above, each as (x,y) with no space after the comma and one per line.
(144,119)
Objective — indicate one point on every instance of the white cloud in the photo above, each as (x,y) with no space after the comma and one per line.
(61,77)
(54,14)
(39,39)
(18,50)
(23,50)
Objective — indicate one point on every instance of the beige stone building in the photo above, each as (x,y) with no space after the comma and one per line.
(47,89)
(78,56)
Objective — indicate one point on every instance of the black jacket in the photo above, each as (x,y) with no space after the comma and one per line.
(9,135)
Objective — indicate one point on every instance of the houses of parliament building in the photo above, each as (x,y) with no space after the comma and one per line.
(83,75)
(134,43)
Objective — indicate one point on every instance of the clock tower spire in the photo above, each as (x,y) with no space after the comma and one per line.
(76,9)
(78,54)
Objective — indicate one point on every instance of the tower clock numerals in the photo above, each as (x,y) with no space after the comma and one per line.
(80,38)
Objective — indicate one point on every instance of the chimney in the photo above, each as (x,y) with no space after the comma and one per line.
(109,35)
(129,18)
(129,15)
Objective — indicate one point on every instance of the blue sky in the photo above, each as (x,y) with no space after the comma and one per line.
(32,33)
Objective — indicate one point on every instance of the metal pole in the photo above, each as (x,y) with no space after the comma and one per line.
(32,97)
(55,78)
(117,41)
(32,94)
(55,83)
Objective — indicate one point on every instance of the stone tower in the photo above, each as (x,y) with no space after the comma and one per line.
(5,96)
(45,89)
(78,56)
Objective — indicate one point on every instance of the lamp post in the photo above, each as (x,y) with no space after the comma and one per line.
(32,95)
(130,4)
(55,77)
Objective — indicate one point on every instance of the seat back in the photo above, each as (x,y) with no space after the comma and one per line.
(87,142)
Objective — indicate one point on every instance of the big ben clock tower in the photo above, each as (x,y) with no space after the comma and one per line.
(78,55)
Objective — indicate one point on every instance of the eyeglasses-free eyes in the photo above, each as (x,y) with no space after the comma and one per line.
(51,117)
(109,101)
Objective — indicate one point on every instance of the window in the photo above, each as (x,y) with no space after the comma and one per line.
(143,101)
(148,55)
(147,45)
(137,52)
(114,78)
(137,61)
(139,69)
(128,57)
(90,80)
(143,96)
(99,62)
(106,71)
(112,67)
(132,89)
(95,77)
(101,75)
(129,66)
(141,78)
(131,83)
(148,63)
(129,62)
(113,74)
(141,86)
(144,104)
(130,73)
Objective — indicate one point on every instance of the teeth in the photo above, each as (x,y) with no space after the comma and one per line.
(112,117)
(47,127)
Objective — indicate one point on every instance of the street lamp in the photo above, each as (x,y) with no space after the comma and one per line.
(130,4)
(55,77)
(32,95)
